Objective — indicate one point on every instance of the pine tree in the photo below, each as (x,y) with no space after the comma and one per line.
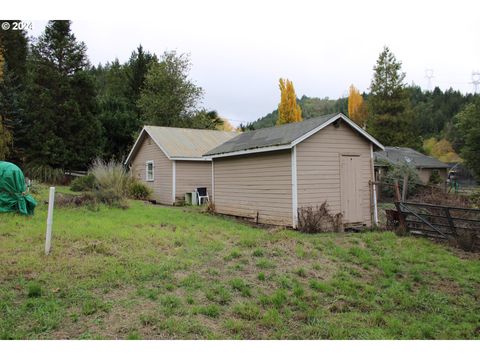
(6,137)
(13,52)
(356,107)
(116,112)
(390,114)
(467,122)
(137,69)
(288,109)
(62,127)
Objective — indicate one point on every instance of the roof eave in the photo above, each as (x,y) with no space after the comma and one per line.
(251,151)
(180,158)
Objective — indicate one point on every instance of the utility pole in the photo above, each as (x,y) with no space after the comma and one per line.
(475,81)
(429,76)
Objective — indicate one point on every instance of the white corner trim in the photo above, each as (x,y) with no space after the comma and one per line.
(134,146)
(213,182)
(294,188)
(374,187)
(174,181)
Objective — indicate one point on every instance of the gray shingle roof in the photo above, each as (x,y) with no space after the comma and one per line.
(395,155)
(275,136)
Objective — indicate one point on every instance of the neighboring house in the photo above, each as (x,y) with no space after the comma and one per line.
(169,160)
(268,174)
(424,164)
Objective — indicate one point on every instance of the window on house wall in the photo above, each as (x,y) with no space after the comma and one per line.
(149,171)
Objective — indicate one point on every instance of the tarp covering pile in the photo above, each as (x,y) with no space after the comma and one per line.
(13,190)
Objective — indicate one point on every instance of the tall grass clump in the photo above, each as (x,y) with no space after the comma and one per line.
(113,182)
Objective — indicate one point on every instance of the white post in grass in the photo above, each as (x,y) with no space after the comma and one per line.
(48,238)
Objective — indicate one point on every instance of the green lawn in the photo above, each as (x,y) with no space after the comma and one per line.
(158,272)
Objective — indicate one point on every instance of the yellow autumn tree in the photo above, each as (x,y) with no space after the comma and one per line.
(357,110)
(288,109)
(441,149)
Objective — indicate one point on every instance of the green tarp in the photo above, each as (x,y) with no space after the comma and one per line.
(13,196)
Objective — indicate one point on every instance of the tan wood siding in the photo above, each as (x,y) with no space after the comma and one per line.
(318,168)
(162,184)
(424,174)
(259,182)
(192,174)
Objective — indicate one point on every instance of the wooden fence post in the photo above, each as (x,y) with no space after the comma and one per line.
(404,187)
(401,218)
(396,190)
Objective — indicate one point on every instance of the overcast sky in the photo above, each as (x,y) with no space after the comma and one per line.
(240,49)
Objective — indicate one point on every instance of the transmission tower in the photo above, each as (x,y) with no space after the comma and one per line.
(429,76)
(475,80)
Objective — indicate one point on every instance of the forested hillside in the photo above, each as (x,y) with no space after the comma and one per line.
(311,107)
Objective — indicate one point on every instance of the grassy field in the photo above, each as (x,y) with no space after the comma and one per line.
(159,272)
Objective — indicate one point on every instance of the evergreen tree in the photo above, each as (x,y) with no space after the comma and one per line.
(390,115)
(116,112)
(5,134)
(13,52)
(136,70)
(288,109)
(62,127)
(468,125)
(169,97)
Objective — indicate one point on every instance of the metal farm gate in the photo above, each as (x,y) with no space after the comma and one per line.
(457,226)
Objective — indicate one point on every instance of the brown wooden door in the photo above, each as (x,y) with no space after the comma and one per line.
(350,188)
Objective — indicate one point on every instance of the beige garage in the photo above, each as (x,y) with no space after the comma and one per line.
(268,174)
(169,160)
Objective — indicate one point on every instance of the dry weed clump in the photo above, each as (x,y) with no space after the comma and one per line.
(318,219)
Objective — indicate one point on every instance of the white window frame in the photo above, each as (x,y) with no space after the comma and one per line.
(153,171)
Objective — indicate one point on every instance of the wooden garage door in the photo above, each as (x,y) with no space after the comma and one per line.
(350,188)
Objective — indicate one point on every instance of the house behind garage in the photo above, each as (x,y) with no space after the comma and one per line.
(169,160)
(268,174)
(424,164)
